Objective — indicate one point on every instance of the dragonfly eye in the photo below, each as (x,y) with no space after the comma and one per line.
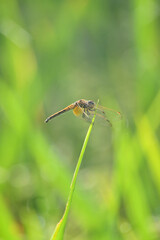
(91,103)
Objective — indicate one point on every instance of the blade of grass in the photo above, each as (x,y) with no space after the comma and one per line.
(59,230)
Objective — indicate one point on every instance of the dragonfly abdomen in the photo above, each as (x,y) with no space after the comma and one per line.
(60,112)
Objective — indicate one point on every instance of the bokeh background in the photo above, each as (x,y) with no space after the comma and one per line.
(53,53)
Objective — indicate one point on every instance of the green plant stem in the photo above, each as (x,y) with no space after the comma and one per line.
(59,230)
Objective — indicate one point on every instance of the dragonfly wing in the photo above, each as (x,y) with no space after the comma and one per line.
(100,117)
(111,114)
(106,115)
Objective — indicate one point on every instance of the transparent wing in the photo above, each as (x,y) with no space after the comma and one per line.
(107,115)
(104,115)
(87,115)
(111,114)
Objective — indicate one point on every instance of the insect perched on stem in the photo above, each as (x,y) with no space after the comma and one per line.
(86,110)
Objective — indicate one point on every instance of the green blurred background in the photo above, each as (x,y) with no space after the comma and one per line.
(53,53)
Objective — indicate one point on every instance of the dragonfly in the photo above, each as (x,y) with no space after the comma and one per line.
(86,110)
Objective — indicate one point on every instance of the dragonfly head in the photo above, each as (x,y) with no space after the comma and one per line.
(91,104)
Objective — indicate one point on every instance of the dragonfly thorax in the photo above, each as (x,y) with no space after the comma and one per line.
(86,104)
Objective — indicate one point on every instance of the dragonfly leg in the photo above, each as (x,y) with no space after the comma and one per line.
(86,117)
(88,113)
